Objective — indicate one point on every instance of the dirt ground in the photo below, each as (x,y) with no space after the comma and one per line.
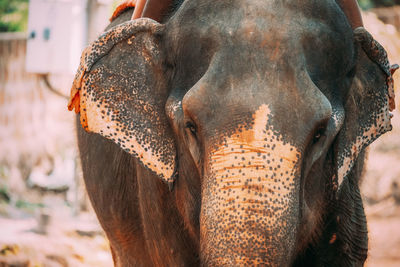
(68,242)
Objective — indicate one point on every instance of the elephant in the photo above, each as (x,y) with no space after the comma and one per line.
(232,134)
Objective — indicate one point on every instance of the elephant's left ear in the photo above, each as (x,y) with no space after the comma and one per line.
(367,105)
(120,90)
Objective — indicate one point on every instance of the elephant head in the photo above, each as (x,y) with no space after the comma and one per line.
(268,104)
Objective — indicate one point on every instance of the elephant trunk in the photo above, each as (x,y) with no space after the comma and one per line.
(249,204)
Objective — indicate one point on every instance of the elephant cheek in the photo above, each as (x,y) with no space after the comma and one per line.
(250,204)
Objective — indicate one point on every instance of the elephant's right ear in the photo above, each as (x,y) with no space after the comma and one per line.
(120,90)
(368,103)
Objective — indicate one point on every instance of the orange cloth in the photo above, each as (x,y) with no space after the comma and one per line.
(122,7)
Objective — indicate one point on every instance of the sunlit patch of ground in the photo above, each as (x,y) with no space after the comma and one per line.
(69,241)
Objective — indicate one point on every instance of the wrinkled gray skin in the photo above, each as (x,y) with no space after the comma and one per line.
(262,108)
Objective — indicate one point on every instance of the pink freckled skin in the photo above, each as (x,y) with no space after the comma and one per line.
(251,198)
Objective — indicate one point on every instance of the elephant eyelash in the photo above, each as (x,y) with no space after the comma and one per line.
(191,127)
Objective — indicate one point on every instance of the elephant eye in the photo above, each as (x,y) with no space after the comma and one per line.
(191,127)
(318,134)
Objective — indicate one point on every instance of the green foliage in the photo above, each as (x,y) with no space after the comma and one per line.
(4,195)
(367,4)
(22,204)
(13,15)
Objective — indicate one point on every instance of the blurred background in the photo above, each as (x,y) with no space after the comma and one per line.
(45,215)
